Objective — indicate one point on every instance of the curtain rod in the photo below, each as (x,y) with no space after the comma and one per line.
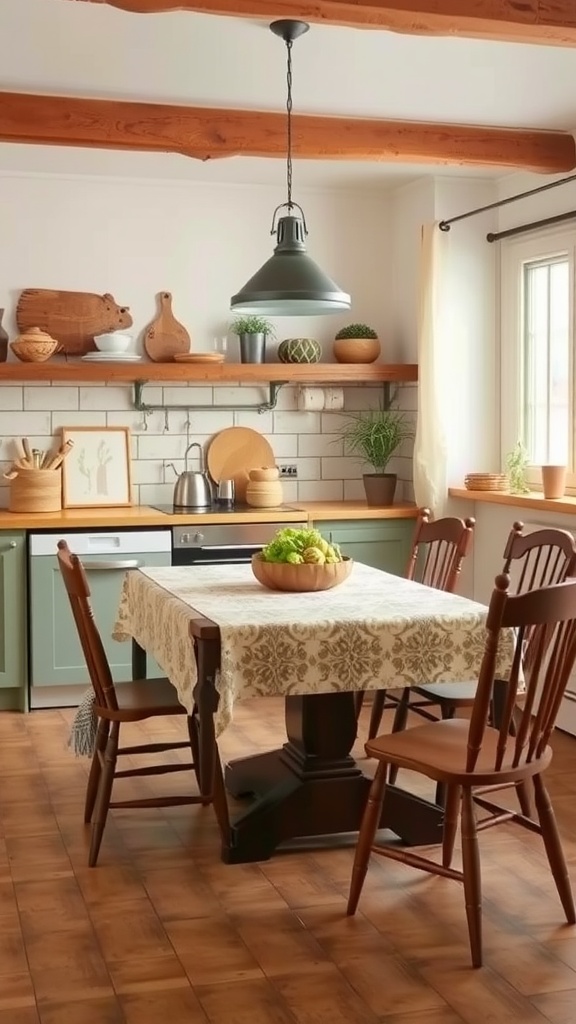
(496,236)
(444,225)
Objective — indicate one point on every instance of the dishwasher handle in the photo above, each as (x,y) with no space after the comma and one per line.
(126,563)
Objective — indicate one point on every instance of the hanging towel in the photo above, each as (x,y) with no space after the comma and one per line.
(82,739)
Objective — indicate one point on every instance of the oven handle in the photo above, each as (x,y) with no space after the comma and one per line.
(219,561)
(225,547)
(127,563)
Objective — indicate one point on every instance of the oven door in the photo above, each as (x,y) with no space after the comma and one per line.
(226,544)
(233,554)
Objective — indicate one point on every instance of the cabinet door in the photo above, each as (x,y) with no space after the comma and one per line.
(12,609)
(55,653)
(382,543)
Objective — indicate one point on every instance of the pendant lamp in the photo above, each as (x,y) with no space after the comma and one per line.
(290,283)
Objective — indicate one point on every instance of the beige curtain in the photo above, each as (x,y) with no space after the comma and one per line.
(430,453)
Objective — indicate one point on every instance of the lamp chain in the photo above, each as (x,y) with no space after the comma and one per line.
(289,204)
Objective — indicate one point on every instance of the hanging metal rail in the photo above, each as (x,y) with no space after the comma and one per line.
(261,407)
(274,387)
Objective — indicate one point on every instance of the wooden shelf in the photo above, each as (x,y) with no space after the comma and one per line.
(263,373)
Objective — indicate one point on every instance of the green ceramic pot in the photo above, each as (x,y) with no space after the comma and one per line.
(299,350)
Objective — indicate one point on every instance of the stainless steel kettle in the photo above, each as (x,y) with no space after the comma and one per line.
(192,488)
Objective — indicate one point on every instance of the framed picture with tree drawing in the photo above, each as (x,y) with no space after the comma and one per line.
(96,472)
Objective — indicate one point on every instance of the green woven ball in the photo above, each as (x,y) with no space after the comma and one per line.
(299,350)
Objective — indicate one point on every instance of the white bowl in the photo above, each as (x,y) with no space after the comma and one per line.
(116,342)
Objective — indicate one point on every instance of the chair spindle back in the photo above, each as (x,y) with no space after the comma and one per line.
(544,621)
(78,590)
(438,550)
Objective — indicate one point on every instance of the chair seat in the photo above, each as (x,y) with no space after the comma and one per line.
(439,750)
(144,698)
(457,694)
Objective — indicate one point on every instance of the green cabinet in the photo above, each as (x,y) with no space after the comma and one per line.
(12,618)
(56,658)
(383,543)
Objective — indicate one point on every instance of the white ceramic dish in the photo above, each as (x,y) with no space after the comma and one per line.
(111,357)
(117,341)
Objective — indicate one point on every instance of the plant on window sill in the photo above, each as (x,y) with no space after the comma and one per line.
(517,464)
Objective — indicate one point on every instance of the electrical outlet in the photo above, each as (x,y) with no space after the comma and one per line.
(288,470)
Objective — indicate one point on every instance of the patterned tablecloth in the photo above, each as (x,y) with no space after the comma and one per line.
(372,632)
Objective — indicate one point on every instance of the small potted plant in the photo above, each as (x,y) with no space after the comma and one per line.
(356,343)
(375,435)
(252,331)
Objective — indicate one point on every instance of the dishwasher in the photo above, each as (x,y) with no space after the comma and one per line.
(58,673)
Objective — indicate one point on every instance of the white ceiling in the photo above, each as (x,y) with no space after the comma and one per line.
(95,50)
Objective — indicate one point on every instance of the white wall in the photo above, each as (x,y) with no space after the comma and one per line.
(411,206)
(136,237)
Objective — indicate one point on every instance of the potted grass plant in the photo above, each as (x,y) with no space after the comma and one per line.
(252,330)
(375,435)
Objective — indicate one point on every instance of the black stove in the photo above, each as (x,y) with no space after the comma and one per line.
(237,506)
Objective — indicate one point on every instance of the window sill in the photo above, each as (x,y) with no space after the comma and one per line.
(534,500)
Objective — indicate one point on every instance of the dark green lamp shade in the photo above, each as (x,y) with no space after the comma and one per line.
(290,283)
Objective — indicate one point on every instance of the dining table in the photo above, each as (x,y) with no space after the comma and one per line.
(221,638)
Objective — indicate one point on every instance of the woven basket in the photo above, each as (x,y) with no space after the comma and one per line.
(36,490)
(486,482)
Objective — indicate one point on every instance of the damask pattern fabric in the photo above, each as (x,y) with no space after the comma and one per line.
(374,631)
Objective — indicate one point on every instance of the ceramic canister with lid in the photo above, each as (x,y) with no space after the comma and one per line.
(264,489)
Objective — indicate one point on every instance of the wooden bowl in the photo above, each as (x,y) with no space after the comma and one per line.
(356,350)
(300,578)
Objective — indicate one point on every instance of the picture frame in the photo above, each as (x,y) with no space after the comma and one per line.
(96,473)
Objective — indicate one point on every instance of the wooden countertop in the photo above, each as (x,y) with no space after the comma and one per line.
(533,500)
(318,510)
(138,516)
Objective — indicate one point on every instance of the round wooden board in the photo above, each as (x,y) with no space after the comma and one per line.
(165,336)
(199,357)
(235,451)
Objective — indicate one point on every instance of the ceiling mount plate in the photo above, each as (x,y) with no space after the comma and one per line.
(289,30)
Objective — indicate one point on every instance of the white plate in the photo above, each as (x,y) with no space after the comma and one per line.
(111,357)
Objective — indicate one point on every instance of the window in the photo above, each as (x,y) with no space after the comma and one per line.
(537,348)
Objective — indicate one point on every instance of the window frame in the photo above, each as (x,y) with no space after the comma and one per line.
(514,254)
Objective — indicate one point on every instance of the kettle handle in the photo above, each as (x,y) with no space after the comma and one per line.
(194,444)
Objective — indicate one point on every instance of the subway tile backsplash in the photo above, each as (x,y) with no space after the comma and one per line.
(309,440)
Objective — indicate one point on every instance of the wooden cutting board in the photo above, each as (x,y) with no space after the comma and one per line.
(72,318)
(165,337)
(234,452)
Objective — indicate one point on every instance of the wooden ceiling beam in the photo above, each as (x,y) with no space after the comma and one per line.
(210,133)
(521,21)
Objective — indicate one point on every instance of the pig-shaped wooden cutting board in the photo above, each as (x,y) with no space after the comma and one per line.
(72,318)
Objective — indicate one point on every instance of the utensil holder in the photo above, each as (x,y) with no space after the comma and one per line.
(36,490)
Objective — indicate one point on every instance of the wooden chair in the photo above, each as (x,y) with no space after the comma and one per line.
(537,559)
(116,703)
(463,755)
(438,551)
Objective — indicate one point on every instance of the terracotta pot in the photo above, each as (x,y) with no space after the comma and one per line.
(554,481)
(380,488)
